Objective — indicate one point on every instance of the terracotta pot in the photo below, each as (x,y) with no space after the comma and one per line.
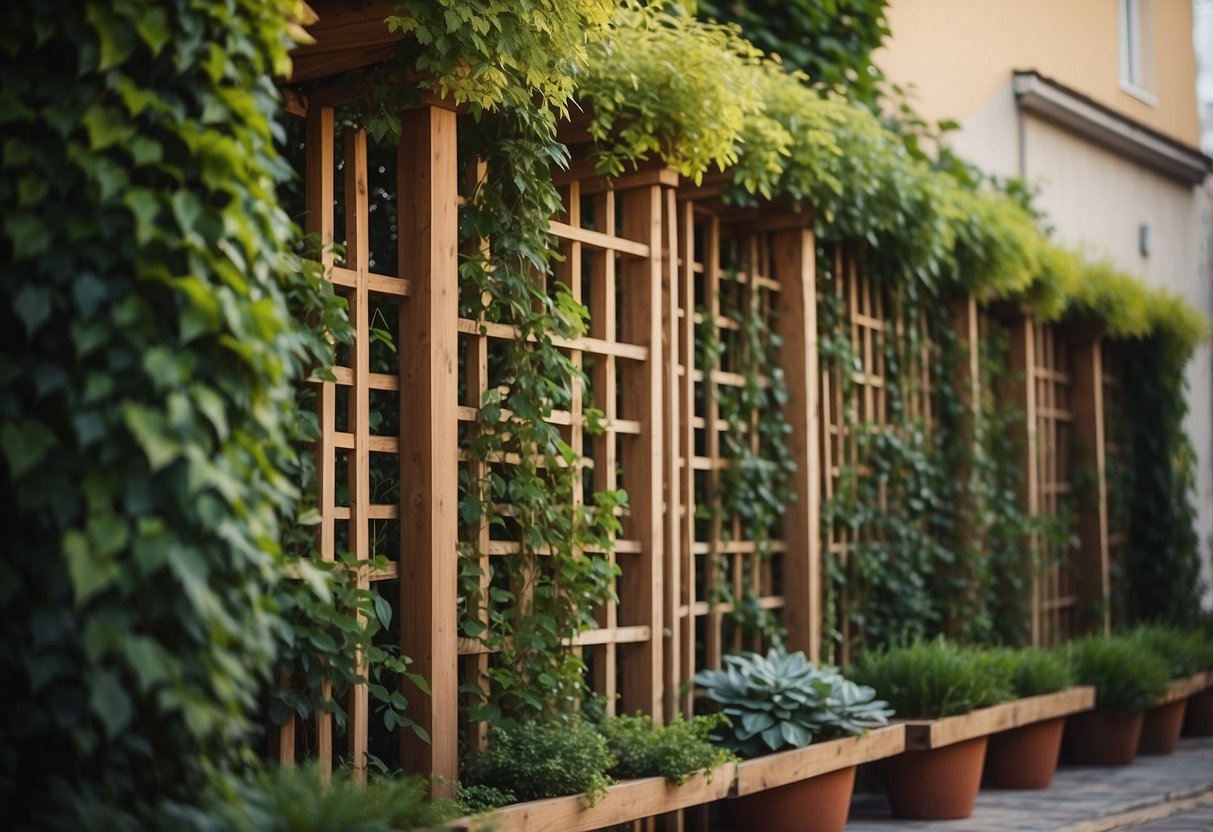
(1160,731)
(1103,737)
(1025,757)
(818,804)
(1198,722)
(940,784)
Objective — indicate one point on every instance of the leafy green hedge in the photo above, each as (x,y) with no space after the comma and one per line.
(148,369)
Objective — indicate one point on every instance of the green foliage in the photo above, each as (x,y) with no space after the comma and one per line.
(675,751)
(831,41)
(150,346)
(1185,651)
(556,757)
(305,800)
(929,679)
(1126,674)
(783,701)
(490,53)
(1034,671)
(473,800)
(1163,560)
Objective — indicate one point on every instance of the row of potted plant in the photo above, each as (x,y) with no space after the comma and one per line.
(783,737)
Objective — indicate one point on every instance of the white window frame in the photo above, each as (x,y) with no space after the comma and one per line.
(1137,49)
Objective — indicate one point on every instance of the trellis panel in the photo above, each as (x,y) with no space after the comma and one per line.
(725,262)
(1117,466)
(612,254)
(1090,569)
(867,325)
(360,460)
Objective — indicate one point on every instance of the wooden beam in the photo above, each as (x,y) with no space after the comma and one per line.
(1091,572)
(641,584)
(937,733)
(349,34)
(428,194)
(795,266)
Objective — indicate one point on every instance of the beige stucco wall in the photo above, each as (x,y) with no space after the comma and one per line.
(1074,42)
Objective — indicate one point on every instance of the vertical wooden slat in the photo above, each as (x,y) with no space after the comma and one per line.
(1093,583)
(1023,394)
(319,196)
(641,585)
(357,238)
(714,643)
(686,389)
(797,313)
(674,503)
(428,194)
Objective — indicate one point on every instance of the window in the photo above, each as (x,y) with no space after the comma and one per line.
(1136,50)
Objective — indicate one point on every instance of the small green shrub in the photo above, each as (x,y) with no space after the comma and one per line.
(1184,651)
(783,701)
(533,759)
(1034,672)
(1126,674)
(673,751)
(474,799)
(929,679)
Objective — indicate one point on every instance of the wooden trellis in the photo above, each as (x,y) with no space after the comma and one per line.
(611,247)
(383,489)
(858,399)
(730,267)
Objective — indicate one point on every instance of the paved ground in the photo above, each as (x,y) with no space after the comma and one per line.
(1083,799)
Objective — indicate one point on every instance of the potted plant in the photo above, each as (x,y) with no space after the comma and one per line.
(939,778)
(781,702)
(1128,678)
(1025,757)
(1182,651)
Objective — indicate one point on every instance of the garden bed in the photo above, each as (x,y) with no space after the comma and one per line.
(922,735)
(634,799)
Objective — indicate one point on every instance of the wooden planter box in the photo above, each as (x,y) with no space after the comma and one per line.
(774,770)
(635,799)
(922,735)
(1185,687)
(623,802)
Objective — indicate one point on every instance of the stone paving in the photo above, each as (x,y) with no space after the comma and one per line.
(1079,798)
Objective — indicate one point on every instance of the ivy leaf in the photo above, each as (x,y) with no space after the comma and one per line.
(151,431)
(25,445)
(89,571)
(109,702)
(383,610)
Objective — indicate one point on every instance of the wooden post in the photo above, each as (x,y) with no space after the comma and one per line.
(795,262)
(967,380)
(1091,561)
(641,590)
(1023,383)
(676,499)
(428,195)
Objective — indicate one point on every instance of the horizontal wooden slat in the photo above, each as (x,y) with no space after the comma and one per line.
(594,346)
(378,381)
(937,733)
(599,240)
(376,511)
(774,770)
(736,547)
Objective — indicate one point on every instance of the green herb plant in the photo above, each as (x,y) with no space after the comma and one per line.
(1126,674)
(931,679)
(674,750)
(530,760)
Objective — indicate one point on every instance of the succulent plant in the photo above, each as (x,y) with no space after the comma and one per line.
(783,700)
